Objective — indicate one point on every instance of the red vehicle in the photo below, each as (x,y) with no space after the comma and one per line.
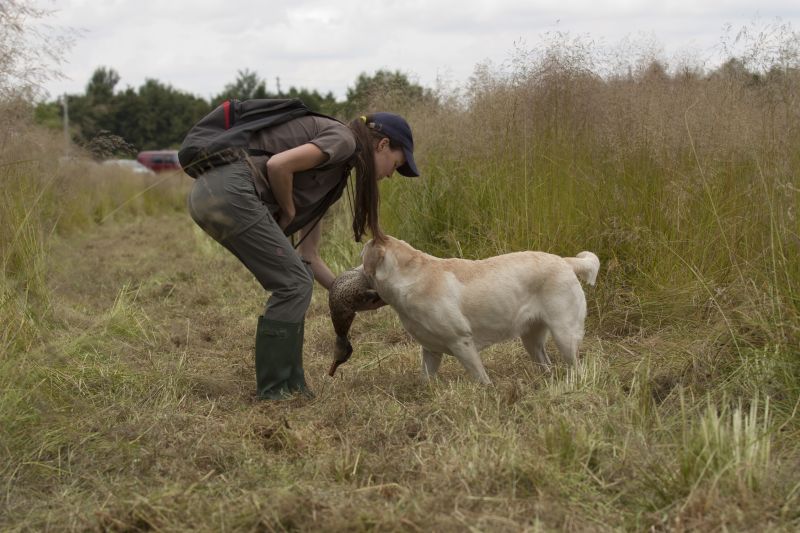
(159,160)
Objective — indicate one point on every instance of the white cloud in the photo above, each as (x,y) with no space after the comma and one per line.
(198,46)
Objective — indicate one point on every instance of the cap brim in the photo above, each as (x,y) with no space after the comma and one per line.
(409,169)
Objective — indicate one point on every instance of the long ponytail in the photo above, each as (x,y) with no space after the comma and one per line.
(367,196)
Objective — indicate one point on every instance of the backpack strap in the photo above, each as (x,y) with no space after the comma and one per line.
(256,152)
(330,199)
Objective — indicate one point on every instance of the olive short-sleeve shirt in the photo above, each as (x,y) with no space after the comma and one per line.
(310,187)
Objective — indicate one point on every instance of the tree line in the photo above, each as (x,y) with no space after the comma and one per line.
(157,116)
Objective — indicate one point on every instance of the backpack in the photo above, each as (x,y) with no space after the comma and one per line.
(223,136)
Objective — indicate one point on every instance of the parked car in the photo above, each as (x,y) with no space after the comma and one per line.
(130,164)
(159,160)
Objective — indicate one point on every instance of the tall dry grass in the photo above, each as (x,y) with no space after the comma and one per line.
(685,184)
(46,195)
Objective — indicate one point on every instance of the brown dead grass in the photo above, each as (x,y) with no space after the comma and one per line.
(142,417)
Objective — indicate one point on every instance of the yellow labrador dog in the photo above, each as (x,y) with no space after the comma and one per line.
(459,307)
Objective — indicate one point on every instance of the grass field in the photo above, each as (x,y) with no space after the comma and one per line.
(127,380)
(136,412)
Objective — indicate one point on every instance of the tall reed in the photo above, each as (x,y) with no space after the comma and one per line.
(685,184)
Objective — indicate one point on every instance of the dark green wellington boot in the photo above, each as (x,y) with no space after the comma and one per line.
(297,380)
(278,347)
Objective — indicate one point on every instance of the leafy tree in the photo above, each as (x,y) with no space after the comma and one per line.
(157,116)
(314,100)
(386,90)
(247,85)
(131,116)
(94,112)
(153,117)
(100,88)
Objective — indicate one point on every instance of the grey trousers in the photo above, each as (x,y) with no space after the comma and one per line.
(224,202)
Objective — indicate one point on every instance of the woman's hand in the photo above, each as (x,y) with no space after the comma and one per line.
(284,219)
(310,238)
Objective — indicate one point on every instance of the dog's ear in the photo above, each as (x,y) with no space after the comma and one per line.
(373,256)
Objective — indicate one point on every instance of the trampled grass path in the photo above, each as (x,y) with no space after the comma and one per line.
(151,423)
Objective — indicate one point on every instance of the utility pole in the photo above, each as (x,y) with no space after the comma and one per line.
(278,84)
(65,103)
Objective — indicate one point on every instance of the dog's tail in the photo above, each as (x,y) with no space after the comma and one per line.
(585,265)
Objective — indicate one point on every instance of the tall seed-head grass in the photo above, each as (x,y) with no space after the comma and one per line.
(340,251)
(677,182)
(24,237)
(729,446)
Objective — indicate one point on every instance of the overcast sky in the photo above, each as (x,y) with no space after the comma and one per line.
(199,45)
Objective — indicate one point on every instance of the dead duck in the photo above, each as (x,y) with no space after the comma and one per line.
(349,292)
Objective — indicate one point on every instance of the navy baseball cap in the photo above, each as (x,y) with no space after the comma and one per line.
(397,129)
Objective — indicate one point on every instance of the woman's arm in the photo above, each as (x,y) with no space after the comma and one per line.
(309,251)
(280,172)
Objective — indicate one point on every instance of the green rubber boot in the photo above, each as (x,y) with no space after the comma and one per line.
(279,346)
(297,379)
